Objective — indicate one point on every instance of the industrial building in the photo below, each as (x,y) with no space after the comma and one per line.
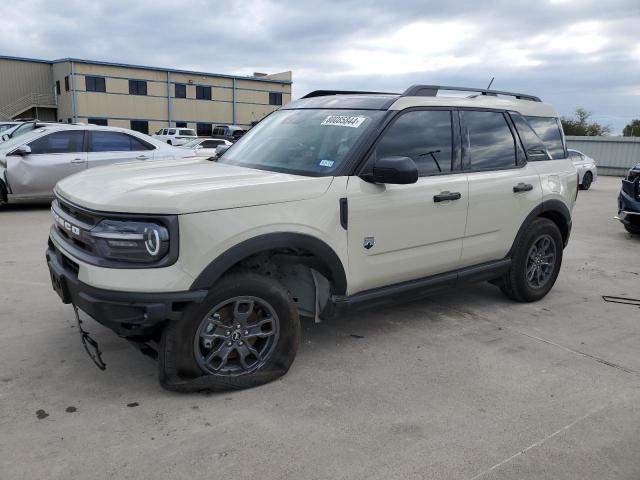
(133,96)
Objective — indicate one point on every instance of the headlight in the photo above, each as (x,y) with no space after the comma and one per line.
(131,241)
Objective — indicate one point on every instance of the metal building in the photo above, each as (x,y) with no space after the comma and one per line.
(133,96)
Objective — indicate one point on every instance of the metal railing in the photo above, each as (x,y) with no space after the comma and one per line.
(30,100)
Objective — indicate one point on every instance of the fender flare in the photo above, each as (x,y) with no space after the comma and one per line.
(554,208)
(218,267)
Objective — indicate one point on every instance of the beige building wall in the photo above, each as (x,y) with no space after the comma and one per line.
(233,99)
(19,78)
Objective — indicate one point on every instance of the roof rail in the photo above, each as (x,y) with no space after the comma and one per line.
(432,91)
(325,93)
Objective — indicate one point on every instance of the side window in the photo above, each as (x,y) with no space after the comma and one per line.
(425,136)
(548,130)
(533,145)
(188,133)
(58,142)
(210,144)
(488,140)
(575,156)
(114,142)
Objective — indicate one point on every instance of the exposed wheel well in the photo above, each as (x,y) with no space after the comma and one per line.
(560,221)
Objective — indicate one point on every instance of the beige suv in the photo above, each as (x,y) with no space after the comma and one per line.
(336,201)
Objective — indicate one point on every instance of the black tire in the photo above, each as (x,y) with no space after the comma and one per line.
(515,284)
(169,142)
(587,179)
(3,194)
(179,368)
(632,229)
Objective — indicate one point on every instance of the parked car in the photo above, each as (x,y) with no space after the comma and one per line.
(586,166)
(228,132)
(175,136)
(334,202)
(629,201)
(21,128)
(32,163)
(203,146)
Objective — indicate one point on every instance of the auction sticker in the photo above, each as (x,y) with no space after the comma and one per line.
(344,121)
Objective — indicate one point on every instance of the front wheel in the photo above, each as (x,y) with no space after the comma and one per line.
(587,179)
(244,334)
(535,263)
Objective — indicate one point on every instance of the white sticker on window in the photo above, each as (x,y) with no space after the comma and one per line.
(326,163)
(344,121)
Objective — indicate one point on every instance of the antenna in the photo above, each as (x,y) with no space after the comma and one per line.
(489,86)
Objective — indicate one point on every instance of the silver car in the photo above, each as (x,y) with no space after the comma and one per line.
(31,164)
(586,166)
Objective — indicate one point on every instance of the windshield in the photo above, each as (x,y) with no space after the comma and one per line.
(18,140)
(304,142)
(6,126)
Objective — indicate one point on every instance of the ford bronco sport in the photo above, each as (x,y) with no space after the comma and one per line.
(337,200)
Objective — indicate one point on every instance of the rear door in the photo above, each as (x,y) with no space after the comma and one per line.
(503,187)
(53,157)
(107,147)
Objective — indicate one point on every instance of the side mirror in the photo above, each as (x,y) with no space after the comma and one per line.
(220,149)
(22,150)
(395,170)
(5,137)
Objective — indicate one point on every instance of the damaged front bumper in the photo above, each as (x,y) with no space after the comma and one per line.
(135,315)
(629,202)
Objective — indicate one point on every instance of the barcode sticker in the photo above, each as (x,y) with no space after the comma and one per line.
(344,121)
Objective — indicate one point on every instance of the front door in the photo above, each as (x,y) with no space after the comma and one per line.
(53,157)
(404,232)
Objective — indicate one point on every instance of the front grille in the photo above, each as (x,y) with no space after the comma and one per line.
(74,224)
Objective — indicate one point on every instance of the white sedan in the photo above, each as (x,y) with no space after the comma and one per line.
(586,166)
(206,147)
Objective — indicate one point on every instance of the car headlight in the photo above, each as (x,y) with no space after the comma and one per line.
(131,241)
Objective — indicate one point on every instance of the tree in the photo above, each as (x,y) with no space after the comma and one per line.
(579,125)
(632,130)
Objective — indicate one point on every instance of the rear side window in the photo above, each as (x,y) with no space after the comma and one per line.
(187,132)
(548,130)
(58,142)
(488,140)
(422,135)
(210,143)
(115,142)
(533,145)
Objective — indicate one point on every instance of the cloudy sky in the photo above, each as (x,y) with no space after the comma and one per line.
(570,52)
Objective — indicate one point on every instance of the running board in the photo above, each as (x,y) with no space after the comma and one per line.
(415,289)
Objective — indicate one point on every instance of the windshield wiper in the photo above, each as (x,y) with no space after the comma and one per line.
(432,153)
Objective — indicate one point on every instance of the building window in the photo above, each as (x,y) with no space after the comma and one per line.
(66,83)
(137,87)
(98,121)
(203,93)
(95,84)
(57,87)
(181,124)
(204,129)
(181,90)
(275,98)
(141,126)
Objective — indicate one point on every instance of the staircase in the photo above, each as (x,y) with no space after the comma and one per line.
(22,104)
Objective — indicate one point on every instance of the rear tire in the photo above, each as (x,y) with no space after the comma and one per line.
(587,179)
(535,263)
(244,334)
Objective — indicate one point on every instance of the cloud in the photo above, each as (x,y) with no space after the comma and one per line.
(571,53)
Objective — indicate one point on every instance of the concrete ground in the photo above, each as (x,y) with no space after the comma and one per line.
(467,385)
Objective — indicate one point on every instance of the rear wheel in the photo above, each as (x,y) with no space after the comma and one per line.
(535,263)
(587,179)
(245,333)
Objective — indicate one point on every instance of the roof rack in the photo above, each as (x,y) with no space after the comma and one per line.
(432,91)
(325,93)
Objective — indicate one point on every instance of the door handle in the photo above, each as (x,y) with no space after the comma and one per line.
(444,196)
(142,157)
(522,187)
(78,160)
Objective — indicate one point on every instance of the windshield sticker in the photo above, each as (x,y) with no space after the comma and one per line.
(326,163)
(344,121)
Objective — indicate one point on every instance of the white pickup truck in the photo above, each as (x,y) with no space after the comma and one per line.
(175,136)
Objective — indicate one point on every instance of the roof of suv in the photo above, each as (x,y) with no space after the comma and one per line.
(426,96)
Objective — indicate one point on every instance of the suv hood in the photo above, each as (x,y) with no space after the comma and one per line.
(184,186)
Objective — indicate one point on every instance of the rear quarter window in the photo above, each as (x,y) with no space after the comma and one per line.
(548,129)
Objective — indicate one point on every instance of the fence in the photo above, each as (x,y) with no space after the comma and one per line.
(613,155)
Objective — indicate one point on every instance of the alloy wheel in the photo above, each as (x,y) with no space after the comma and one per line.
(541,261)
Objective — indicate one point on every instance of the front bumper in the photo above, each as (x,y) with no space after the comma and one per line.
(628,209)
(129,314)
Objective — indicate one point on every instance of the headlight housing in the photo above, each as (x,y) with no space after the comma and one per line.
(130,241)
